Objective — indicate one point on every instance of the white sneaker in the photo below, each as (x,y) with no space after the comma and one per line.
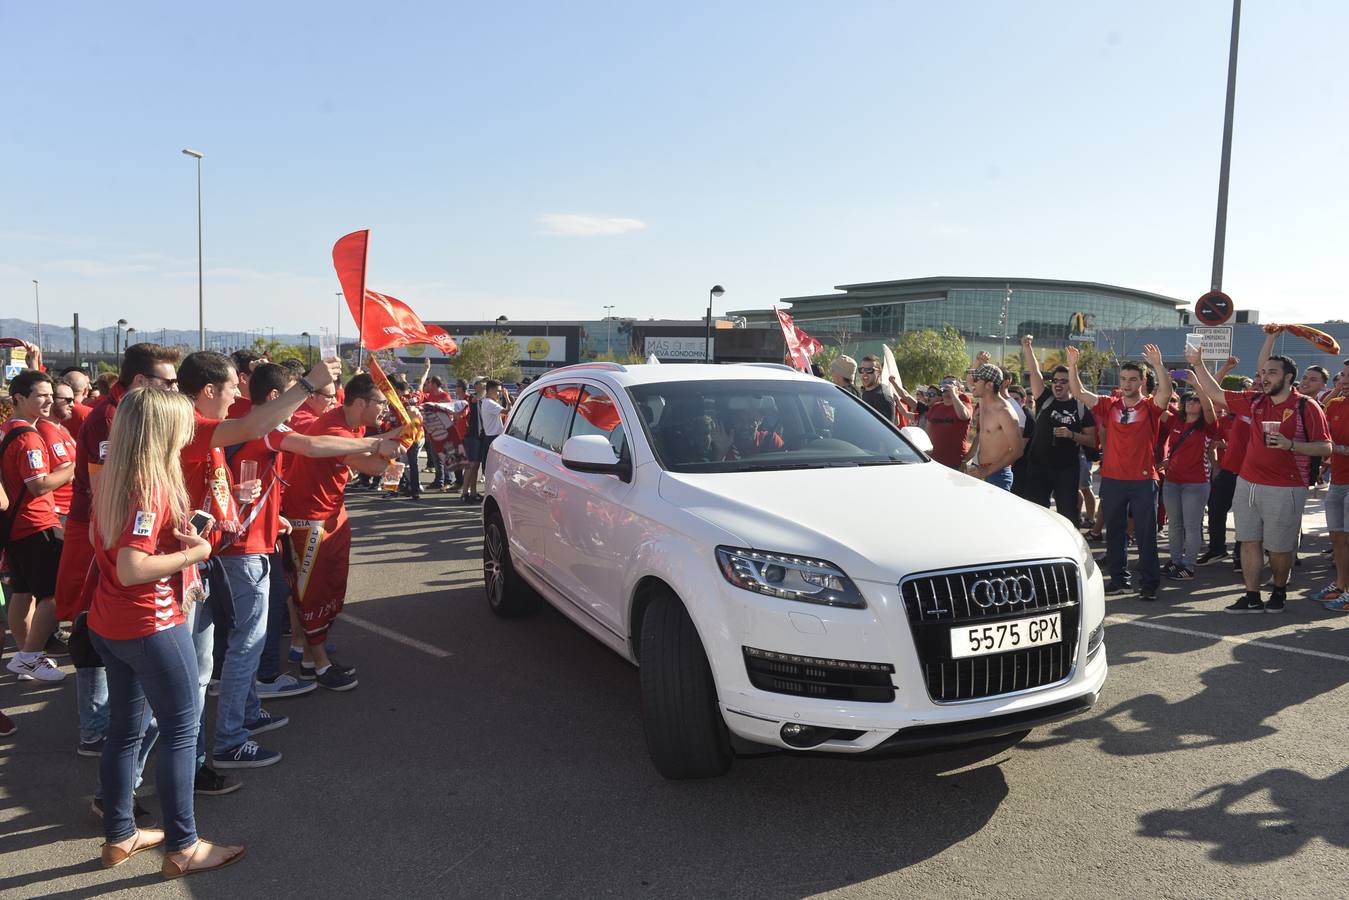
(42,668)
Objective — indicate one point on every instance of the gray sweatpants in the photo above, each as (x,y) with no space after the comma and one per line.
(1185,505)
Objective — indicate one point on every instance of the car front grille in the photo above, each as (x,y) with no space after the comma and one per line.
(826,679)
(936,601)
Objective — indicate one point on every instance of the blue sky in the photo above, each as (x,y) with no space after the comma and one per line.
(542,160)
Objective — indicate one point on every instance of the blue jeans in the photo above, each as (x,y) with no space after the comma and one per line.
(1118,499)
(1001,478)
(155,673)
(278,614)
(412,479)
(203,645)
(248,585)
(1185,505)
(439,467)
(91,697)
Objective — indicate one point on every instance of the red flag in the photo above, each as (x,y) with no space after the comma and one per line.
(796,351)
(383,321)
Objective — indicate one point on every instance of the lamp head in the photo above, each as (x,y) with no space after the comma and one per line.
(717,290)
(192,153)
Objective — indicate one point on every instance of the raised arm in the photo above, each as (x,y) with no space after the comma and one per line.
(1080,393)
(262,419)
(426,373)
(1153,354)
(1267,348)
(1037,379)
(1209,388)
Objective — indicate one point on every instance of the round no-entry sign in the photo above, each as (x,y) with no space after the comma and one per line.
(1214,308)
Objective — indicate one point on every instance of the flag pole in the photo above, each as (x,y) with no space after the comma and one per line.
(360,337)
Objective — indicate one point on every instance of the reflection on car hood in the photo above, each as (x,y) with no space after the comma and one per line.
(878,523)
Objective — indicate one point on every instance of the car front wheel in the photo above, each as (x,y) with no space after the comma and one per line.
(507,593)
(685,733)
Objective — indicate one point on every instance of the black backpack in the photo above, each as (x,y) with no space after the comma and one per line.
(16,499)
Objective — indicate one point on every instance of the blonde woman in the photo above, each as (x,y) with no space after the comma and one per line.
(147,554)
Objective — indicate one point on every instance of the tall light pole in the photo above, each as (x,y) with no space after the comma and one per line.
(609,332)
(37,302)
(309,351)
(1225,166)
(201,305)
(1006,316)
(337,341)
(717,291)
(117,342)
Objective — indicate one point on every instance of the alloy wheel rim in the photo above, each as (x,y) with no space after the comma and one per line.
(491,565)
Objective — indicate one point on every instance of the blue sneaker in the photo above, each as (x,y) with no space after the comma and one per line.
(283,686)
(265,722)
(297,655)
(247,755)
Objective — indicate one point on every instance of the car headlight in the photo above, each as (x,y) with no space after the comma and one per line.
(1089,564)
(789,577)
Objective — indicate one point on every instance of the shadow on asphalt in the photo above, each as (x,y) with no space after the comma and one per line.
(1299,810)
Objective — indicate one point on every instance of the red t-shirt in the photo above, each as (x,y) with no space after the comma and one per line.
(314,486)
(1267,465)
(78,413)
(241,407)
(123,613)
(61,447)
(1187,450)
(950,434)
(27,458)
(1129,435)
(1337,423)
(262,517)
(196,459)
(1235,433)
(91,449)
(436,395)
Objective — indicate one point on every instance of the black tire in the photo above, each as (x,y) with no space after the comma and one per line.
(685,733)
(507,593)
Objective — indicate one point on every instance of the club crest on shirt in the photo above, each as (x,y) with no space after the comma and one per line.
(144,526)
(1287,414)
(34,459)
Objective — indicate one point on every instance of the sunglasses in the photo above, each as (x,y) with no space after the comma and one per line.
(1063,381)
(867,371)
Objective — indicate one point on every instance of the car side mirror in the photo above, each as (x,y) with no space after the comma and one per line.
(918,437)
(591,453)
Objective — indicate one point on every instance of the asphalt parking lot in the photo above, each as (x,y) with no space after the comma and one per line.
(485,758)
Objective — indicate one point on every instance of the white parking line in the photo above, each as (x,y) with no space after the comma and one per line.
(1228,638)
(430,649)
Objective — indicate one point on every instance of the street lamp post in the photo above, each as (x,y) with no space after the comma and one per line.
(129,332)
(1225,165)
(717,291)
(609,331)
(337,341)
(117,342)
(37,302)
(309,349)
(201,305)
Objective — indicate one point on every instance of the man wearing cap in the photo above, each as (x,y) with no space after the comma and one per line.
(999,430)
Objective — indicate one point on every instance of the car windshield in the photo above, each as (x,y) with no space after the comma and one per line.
(738,426)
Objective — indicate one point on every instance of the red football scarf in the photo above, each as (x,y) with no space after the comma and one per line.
(219,498)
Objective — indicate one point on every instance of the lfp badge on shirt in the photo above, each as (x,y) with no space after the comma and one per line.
(144,525)
(34,459)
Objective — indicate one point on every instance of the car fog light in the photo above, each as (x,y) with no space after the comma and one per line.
(795,734)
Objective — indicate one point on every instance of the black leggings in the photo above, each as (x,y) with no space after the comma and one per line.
(1219,505)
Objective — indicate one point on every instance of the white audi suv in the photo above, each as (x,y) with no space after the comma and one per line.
(785,567)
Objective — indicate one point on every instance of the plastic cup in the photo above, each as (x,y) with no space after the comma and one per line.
(248,470)
(1194,341)
(1269,428)
(393,476)
(328,352)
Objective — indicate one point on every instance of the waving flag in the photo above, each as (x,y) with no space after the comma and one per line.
(800,346)
(383,321)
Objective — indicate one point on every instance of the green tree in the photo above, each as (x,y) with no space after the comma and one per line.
(1092,363)
(825,358)
(924,357)
(490,353)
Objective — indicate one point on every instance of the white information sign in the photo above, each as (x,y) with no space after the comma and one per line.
(1217,341)
(686,348)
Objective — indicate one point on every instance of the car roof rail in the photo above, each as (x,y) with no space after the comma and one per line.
(601,365)
(768,365)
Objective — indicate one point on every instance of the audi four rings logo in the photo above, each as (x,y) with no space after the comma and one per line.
(989,592)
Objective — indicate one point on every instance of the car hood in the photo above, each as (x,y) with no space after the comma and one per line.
(877,523)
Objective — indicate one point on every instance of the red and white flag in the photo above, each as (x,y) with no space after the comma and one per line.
(384,322)
(800,346)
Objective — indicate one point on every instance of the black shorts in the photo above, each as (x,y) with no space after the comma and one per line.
(485,444)
(33,562)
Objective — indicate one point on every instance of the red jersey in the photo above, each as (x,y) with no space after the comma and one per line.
(126,612)
(78,413)
(61,447)
(1337,423)
(314,486)
(1235,433)
(91,449)
(436,395)
(196,459)
(261,518)
(241,407)
(27,458)
(1129,435)
(950,434)
(1187,450)
(1299,418)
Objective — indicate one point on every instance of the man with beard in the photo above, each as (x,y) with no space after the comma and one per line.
(1132,422)
(1271,487)
(874,393)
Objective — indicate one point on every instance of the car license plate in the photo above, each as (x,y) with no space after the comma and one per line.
(1000,637)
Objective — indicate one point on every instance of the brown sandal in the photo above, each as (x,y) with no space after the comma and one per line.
(143,839)
(203,856)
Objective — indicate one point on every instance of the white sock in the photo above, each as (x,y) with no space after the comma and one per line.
(324,669)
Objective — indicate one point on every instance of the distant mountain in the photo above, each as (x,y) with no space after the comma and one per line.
(60,338)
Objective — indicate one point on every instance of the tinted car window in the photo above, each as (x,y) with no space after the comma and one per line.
(597,414)
(520,418)
(733,426)
(551,422)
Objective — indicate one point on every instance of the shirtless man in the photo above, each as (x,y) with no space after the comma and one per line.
(999,429)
